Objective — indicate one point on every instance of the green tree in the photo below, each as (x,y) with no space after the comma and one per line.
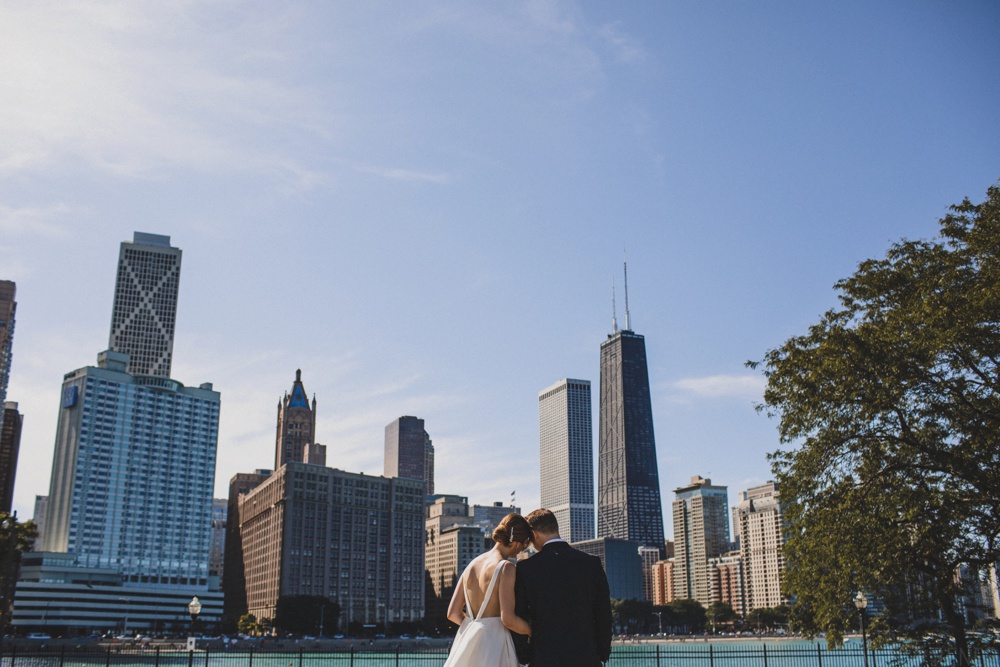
(15,539)
(690,615)
(890,411)
(720,612)
(247,625)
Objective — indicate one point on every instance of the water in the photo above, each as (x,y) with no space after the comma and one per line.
(691,653)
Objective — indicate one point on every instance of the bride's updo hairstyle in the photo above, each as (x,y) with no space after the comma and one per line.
(513,528)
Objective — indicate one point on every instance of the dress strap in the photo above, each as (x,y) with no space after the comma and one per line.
(489,590)
(465,589)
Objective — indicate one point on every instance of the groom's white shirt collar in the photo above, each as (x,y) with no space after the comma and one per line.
(553,541)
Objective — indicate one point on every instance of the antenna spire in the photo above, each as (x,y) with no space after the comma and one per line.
(614,309)
(628,319)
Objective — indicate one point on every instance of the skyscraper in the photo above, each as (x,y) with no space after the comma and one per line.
(701,532)
(628,495)
(8,308)
(10,443)
(566,446)
(759,523)
(408,450)
(145,306)
(132,474)
(296,437)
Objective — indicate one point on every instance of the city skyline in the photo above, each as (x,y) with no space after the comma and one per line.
(423,209)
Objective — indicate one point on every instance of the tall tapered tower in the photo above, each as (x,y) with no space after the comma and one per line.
(145,307)
(628,495)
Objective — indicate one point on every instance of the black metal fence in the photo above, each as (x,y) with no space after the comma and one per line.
(629,655)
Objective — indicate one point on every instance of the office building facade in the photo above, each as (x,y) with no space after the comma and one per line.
(566,448)
(622,565)
(10,445)
(759,524)
(408,451)
(348,537)
(8,310)
(56,595)
(233,575)
(145,305)
(701,532)
(132,474)
(628,494)
(452,538)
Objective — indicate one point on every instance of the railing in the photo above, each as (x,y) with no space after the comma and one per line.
(639,655)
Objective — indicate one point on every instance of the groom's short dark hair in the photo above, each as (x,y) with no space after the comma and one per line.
(543,521)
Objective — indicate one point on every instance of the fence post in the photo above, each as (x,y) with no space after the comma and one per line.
(819,657)
(397,655)
(62,655)
(190,657)
(711,657)
(764,646)
(13,654)
(107,660)
(206,655)
(300,657)
(251,657)
(352,655)
(657,655)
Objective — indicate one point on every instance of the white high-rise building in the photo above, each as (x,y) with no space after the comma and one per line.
(760,527)
(145,307)
(132,474)
(701,532)
(566,448)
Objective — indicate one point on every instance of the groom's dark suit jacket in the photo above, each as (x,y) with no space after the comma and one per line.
(563,593)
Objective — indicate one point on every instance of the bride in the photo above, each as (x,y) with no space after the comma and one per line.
(486,591)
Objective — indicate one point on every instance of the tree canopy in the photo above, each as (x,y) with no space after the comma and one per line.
(889,417)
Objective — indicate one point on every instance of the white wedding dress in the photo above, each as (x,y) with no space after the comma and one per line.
(482,642)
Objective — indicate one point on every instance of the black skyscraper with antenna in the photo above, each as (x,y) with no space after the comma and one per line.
(628,494)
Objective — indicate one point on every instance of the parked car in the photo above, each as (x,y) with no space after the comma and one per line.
(38,635)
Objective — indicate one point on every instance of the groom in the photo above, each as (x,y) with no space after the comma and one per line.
(563,593)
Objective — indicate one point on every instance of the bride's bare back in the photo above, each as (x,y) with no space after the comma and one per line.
(481,572)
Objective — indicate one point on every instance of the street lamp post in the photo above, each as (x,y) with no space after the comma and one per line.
(194,608)
(860,601)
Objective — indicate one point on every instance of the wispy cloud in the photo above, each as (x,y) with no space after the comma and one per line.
(626,48)
(44,221)
(722,386)
(128,89)
(397,174)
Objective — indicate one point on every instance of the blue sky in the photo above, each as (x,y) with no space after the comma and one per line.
(422,205)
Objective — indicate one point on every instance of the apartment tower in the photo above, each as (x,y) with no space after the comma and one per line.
(566,446)
(628,495)
(145,306)
(701,532)
(760,526)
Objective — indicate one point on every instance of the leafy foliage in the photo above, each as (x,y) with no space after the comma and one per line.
(15,539)
(891,406)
